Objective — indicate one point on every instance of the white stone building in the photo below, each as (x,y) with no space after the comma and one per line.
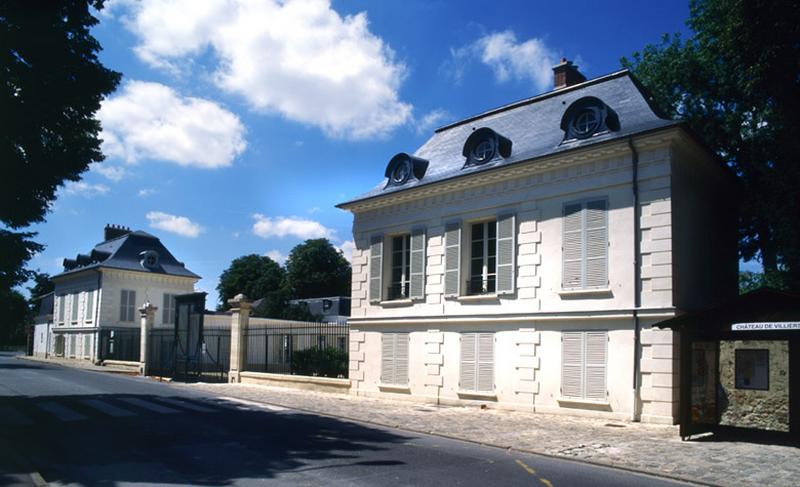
(520,256)
(104,289)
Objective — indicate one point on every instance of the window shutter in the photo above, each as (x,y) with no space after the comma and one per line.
(596,351)
(401,359)
(375,269)
(74,306)
(572,247)
(596,244)
(468,362)
(131,305)
(417,286)
(89,306)
(485,372)
(506,232)
(123,305)
(387,358)
(572,364)
(452,259)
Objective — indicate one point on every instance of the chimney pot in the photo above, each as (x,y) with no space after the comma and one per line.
(112,231)
(566,74)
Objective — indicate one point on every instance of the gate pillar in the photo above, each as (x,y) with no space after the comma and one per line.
(147,315)
(240,317)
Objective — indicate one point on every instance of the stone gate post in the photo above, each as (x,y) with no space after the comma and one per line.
(147,315)
(240,317)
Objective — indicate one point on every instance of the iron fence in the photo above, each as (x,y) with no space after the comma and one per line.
(210,363)
(120,344)
(297,348)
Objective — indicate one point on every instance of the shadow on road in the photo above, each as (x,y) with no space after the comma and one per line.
(105,439)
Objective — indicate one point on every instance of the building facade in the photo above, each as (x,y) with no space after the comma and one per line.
(520,257)
(103,290)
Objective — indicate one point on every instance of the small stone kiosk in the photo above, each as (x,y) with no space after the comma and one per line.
(740,366)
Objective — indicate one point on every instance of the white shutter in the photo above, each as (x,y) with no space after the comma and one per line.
(506,232)
(572,246)
(401,359)
(485,372)
(596,248)
(452,259)
(74,306)
(572,364)
(376,269)
(387,358)
(468,362)
(596,352)
(89,306)
(417,265)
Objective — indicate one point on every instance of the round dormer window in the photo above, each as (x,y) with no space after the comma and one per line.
(586,122)
(149,259)
(401,172)
(483,151)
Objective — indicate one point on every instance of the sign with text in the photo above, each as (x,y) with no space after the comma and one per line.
(767,326)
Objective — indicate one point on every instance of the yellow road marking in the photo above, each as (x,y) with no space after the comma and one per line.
(545,482)
(527,468)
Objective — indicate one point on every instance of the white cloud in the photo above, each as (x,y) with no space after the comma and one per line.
(112,173)
(297,58)
(87,190)
(431,120)
(151,121)
(531,60)
(174,224)
(294,226)
(277,256)
(347,249)
(145,192)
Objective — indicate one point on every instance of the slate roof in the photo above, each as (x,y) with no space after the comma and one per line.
(534,127)
(123,253)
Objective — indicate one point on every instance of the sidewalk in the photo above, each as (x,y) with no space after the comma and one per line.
(653,449)
(80,364)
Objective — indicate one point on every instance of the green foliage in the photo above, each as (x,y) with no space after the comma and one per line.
(51,87)
(256,276)
(736,83)
(316,269)
(750,281)
(14,309)
(326,362)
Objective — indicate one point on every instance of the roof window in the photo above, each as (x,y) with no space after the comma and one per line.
(403,168)
(587,117)
(484,145)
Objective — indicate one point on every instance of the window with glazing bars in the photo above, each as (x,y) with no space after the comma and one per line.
(401,267)
(483,258)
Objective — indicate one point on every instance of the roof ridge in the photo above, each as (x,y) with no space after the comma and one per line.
(535,98)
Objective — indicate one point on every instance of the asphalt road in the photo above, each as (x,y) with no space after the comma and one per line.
(68,426)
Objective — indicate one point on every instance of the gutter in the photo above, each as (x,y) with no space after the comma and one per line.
(637,274)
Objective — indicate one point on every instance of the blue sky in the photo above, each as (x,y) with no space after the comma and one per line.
(239,125)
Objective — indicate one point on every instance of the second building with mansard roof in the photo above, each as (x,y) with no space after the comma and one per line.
(520,256)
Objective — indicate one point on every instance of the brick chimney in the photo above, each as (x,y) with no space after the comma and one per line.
(114,231)
(566,74)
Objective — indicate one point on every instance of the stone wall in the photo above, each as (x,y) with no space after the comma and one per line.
(762,409)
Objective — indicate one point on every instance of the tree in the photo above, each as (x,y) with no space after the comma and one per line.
(316,268)
(15,317)
(736,82)
(51,87)
(254,275)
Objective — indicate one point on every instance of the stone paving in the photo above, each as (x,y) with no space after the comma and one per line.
(654,449)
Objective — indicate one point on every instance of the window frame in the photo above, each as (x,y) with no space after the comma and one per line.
(488,277)
(584,244)
(403,280)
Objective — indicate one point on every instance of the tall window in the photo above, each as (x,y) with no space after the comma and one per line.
(483,258)
(61,308)
(394,358)
(401,267)
(477,362)
(88,306)
(168,310)
(74,307)
(585,245)
(127,305)
(583,364)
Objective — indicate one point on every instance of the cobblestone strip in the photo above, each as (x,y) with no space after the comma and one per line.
(653,449)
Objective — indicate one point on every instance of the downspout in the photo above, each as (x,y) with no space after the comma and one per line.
(637,271)
(97,317)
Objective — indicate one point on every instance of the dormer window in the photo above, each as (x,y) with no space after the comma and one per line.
(587,117)
(149,259)
(484,145)
(403,168)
